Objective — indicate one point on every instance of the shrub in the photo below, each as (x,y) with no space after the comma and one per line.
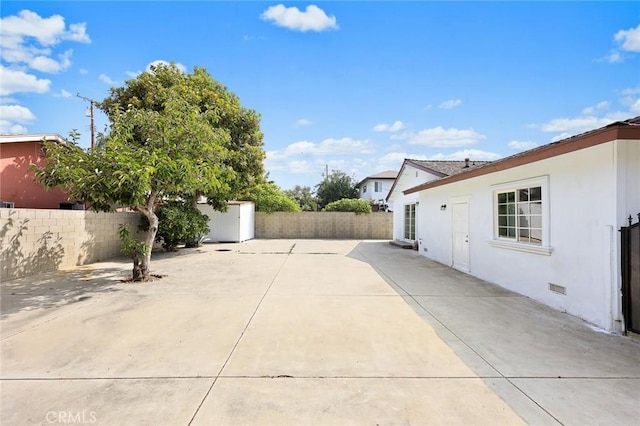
(355,205)
(179,224)
(268,198)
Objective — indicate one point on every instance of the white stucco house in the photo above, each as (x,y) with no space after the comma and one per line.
(376,187)
(543,223)
(411,174)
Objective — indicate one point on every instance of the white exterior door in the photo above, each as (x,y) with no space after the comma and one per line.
(460,229)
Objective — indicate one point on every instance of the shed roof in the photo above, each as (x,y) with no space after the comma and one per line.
(627,129)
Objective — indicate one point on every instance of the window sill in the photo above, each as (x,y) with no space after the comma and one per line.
(528,248)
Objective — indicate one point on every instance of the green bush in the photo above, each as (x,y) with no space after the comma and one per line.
(268,198)
(355,205)
(179,224)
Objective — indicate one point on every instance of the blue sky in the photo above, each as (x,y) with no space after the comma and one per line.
(356,85)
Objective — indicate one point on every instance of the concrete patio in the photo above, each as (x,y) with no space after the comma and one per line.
(273,332)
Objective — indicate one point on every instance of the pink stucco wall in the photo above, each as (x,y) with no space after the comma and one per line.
(17,182)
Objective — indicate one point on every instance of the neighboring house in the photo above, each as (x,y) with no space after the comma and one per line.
(17,185)
(413,173)
(543,223)
(376,187)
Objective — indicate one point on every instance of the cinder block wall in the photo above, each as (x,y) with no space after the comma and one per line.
(324,225)
(42,240)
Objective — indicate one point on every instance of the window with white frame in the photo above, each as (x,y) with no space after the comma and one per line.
(521,215)
(364,189)
(377,187)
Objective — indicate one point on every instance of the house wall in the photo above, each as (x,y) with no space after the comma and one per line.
(583,223)
(17,182)
(628,187)
(410,178)
(324,225)
(384,185)
(42,240)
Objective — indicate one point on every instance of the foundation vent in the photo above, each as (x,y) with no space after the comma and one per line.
(557,288)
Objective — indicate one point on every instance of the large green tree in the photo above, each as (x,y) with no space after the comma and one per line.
(336,186)
(268,198)
(172,136)
(303,195)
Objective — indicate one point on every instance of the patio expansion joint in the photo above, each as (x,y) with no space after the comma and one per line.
(275,277)
(65,379)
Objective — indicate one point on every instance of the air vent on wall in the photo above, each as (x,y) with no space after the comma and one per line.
(557,288)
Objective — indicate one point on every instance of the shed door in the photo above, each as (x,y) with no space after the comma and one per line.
(460,229)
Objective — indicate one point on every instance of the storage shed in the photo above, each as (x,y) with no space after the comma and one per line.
(235,225)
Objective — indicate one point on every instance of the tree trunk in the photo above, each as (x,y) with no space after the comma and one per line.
(142,263)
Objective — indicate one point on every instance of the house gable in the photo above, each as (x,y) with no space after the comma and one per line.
(415,172)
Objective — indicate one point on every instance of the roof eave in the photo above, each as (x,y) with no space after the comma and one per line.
(615,131)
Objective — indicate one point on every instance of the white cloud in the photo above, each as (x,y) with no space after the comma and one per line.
(394,160)
(631,91)
(451,103)
(473,154)
(9,128)
(635,107)
(614,57)
(522,145)
(344,146)
(298,166)
(16,113)
(397,125)
(47,31)
(302,122)
(629,39)
(598,107)
(27,38)
(63,94)
(83,71)
(16,81)
(157,62)
(78,32)
(576,124)
(106,79)
(439,137)
(50,65)
(312,19)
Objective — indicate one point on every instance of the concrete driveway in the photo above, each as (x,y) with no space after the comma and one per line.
(273,332)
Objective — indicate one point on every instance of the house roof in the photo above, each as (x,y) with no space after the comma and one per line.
(388,174)
(35,137)
(446,168)
(628,129)
(439,168)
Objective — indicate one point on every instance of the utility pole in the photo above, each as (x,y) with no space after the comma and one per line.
(93,127)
